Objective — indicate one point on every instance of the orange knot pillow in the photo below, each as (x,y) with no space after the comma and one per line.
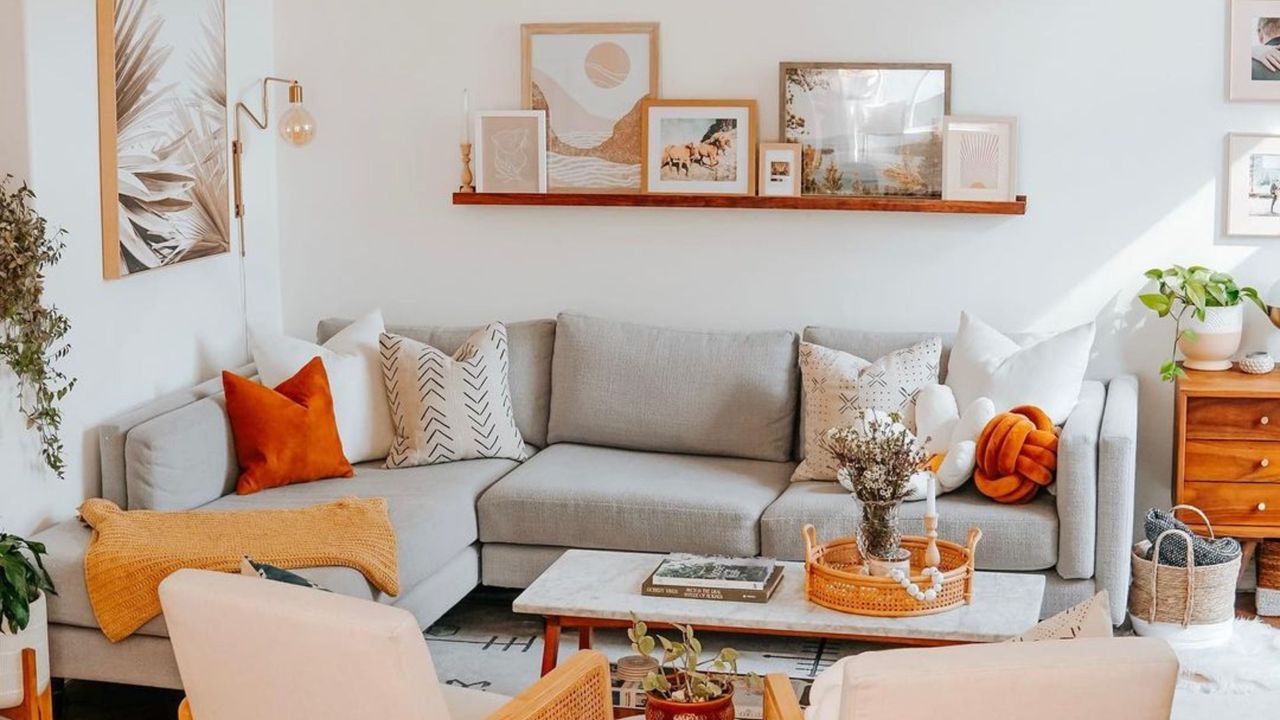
(1017,455)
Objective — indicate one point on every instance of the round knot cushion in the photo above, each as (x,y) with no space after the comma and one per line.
(1017,455)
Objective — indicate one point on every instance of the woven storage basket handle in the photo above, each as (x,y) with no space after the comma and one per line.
(810,549)
(1191,575)
(1208,525)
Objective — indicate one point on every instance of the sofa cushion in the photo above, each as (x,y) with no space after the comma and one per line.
(602,498)
(181,459)
(1014,537)
(432,510)
(648,388)
(531,344)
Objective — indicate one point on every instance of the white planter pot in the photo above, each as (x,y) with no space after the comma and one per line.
(36,637)
(1217,338)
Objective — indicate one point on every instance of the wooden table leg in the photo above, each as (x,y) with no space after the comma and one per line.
(551,644)
(584,638)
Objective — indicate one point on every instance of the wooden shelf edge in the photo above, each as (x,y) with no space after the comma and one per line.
(756,202)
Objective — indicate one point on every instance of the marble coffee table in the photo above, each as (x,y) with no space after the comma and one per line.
(587,589)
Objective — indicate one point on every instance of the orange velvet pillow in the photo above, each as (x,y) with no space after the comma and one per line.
(287,435)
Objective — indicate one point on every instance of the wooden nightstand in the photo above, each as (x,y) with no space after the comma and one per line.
(1227,451)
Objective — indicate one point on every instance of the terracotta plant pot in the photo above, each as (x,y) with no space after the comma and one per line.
(1217,338)
(659,708)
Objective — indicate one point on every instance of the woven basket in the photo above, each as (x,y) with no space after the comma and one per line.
(833,577)
(1268,597)
(1187,596)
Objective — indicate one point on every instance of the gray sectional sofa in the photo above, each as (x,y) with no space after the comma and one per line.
(641,439)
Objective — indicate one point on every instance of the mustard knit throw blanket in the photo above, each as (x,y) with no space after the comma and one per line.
(131,552)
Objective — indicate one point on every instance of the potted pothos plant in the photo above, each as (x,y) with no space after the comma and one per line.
(1208,312)
(24,614)
(685,686)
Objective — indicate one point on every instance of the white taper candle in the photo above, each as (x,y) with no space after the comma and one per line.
(931,501)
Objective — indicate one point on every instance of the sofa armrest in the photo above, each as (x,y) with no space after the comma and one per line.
(1077,487)
(578,689)
(114,433)
(780,701)
(1117,465)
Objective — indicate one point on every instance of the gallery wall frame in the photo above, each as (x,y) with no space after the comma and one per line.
(512,158)
(705,170)
(164,147)
(979,160)
(1253,185)
(1253,26)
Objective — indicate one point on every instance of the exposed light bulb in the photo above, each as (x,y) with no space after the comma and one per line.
(296,124)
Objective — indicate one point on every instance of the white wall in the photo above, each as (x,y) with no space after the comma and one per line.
(136,338)
(1123,122)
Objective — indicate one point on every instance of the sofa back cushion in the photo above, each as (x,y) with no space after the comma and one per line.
(648,388)
(531,344)
(182,459)
(871,345)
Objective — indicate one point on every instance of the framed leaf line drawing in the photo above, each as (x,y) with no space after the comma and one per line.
(162,103)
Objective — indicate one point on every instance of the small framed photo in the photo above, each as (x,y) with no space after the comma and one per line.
(511,151)
(699,147)
(779,169)
(1255,50)
(978,158)
(1253,185)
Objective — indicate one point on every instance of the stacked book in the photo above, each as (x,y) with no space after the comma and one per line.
(702,577)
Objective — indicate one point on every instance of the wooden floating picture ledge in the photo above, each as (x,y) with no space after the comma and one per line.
(758,202)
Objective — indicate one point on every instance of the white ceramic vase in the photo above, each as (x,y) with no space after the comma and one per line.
(36,637)
(1217,338)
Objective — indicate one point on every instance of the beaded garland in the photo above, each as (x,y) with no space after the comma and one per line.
(914,590)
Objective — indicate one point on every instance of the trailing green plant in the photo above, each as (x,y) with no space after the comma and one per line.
(31,332)
(682,662)
(22,579)
(1181,290)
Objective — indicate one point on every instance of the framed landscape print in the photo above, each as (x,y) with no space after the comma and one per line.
(779,169)
(1255,50)
(978,158)
(590,79)
(511,151)
(162,96)
(866,128)
(1253,185)
(699,147)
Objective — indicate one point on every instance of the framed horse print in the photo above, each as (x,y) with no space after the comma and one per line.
(699,147)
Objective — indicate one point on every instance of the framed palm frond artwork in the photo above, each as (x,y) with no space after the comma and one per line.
(162,91)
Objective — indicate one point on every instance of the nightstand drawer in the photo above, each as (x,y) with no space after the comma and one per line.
(1229,503)
(1210,418)
(1232,460)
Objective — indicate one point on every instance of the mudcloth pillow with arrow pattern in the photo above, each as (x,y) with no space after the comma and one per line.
(447,408)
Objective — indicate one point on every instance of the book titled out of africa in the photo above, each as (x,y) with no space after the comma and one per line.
(697,577)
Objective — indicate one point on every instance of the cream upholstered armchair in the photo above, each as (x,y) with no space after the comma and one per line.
(252,649)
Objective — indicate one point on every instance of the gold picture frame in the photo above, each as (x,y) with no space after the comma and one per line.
(704,140)
(592,97)
(773,181)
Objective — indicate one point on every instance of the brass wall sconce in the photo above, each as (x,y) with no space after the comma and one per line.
(297,126)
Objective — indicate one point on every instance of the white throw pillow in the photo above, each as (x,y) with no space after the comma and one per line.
(355,379)
(951,435)
(1047,374)
(448,408)
(838,386)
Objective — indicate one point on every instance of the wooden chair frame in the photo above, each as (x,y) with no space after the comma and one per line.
(35,705)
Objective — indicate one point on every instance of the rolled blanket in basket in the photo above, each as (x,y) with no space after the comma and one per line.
(133,551)
(1173,551)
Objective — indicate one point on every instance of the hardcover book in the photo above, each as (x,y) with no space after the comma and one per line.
(729,594)
(714,572)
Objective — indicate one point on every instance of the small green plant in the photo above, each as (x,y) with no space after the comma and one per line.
(31,332)
(1180,290)
(22,579)
(682,662)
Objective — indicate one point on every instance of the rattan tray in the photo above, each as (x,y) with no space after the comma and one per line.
(833,577)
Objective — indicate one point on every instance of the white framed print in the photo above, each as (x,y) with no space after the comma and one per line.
(1253,185)
(511,151)
(978,157)
(698,147)
(779,169)
(1255,50)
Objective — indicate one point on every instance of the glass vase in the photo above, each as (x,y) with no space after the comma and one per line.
(879,539)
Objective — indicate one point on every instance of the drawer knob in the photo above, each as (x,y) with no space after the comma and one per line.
(1265,420)
(1265,463)
(1262,507)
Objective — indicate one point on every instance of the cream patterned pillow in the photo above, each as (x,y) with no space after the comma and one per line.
(450,408)
(838,385)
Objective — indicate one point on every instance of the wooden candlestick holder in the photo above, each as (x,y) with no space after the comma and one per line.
(35,705)
(468,179)
(931,555)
